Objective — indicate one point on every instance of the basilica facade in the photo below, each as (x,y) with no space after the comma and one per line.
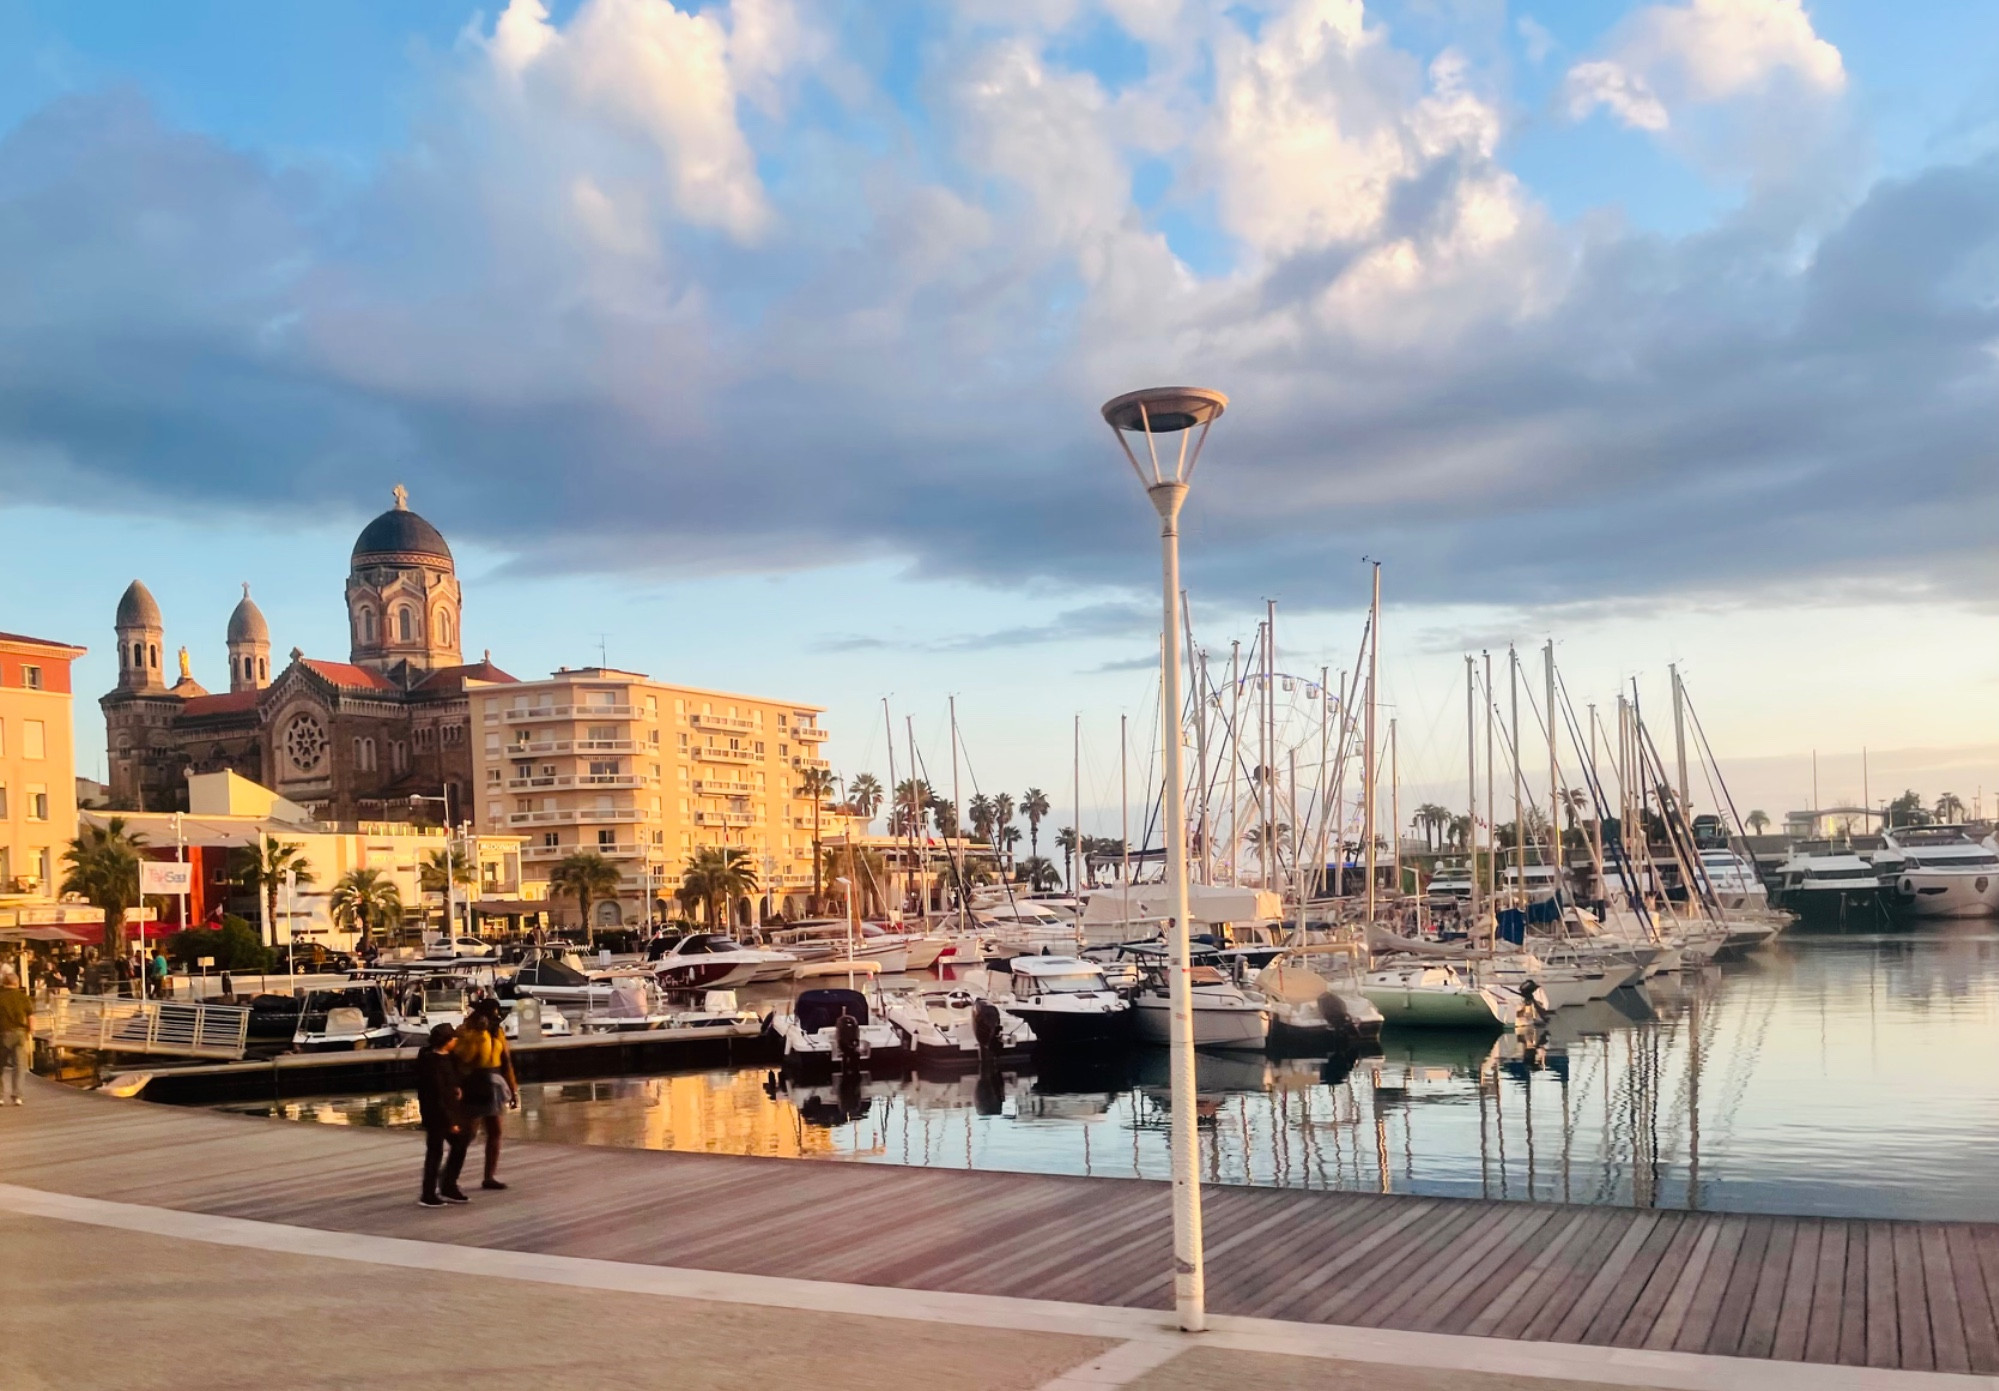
(351,740)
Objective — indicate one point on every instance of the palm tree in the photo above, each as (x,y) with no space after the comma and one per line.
(586,877)
(716,876)
(104,871)
(264,866)
(1280,837)
(864,795)
(980,809)
(1003,819)
(1430,819)
(1758,820)
(366,901)
(946,817)
(431,874)
(866,866)
(1950,807)
(1010,837)
(1039,874)
(816,783)
(1065,841)
(1034,806)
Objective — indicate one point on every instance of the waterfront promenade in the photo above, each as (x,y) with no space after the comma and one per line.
(147,1236)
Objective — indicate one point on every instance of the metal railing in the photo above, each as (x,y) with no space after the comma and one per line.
(114,1024)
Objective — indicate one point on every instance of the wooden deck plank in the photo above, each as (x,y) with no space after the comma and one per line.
(1678,1303)
(1698,1322)
(1510,1299)
(1732,1310)
(1912,1314)
(1884,1340)
(1974,1302)
(1828,1294)
(1438,1301)
(1947,1337)
(1623,1295)
(1545,1305)
(1643,1315)
(1583,1309)
(1766,1300)
(1794,1318)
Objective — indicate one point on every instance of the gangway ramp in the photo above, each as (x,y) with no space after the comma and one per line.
(155,1028)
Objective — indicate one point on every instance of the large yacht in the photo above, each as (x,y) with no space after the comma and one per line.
(1825,884)
(1736,885)
(1938,872)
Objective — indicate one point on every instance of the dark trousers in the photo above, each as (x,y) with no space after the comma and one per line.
(448,1145)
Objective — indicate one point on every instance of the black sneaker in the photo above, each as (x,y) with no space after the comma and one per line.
(493,1184)
(430,1202)
(454,1196)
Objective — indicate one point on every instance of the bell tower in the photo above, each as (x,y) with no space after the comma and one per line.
(249,646)
(141,634)
(403,599)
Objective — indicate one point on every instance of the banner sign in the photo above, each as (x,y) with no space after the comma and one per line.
(165,877)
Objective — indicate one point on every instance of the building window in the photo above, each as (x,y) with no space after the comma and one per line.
(31,677)
(683,741)
(3,808)
(45,865)
(493,744)
(607,838)
(263,669)
(38,802)
(442,626)
(652,707)
(406,625)
(492,777)
(399,756)
(550,840)
(784,750)
(139,654)
(34,739)
(760,746)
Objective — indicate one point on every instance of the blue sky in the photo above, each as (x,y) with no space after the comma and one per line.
(763,340)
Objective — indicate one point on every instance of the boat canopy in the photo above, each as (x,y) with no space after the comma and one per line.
(821,1009)
(1206,904)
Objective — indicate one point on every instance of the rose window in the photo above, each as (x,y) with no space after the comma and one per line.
(305,743)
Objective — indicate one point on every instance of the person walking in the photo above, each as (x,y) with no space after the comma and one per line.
(162,975)
(486,1072)
(17,1015)
(439,1098)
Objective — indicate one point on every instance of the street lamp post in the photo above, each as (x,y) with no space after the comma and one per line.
(450,841)
(1187,412)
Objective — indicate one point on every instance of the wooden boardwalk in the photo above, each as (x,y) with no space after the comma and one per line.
(1912,1295)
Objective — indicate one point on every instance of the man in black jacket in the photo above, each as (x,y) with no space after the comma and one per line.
(444,1136)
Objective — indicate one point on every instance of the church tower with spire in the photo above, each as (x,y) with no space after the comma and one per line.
(249,646)
(403,599)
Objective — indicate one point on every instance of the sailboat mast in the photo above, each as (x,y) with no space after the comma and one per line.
(1554,776)
(1235,760)
(1197,666)
(1519,793)
(888,728)
(1124,819)
(1491,815)
(1322,786)
(916,840)
(1394,805)
(1367,757)
(1269,789)
(1680,743)
(957,811)
(1471,777)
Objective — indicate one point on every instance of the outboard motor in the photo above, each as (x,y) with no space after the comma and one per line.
(848,1049)
(1333,1010)
(988,1030)
(1533,1011)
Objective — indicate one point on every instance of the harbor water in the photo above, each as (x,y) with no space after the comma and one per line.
(1829,1074)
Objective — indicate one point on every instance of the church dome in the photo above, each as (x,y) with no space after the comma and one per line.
(138,609)
(400,532)
(247,624)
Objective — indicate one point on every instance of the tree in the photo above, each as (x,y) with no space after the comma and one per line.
(716,876)
(367,901)
(103,870)
(1065,841)
(866,866)
(1430,819)
(1907,810)
(1003,820)
(264,866)
(980,809)
(431,874)
(864,795)
(816,783)
(1950,808)
(1009,838)
(946,817)
(1034,806)
(907,817)
(1758,821)
(586,877)
(1459,832)
(1038,874)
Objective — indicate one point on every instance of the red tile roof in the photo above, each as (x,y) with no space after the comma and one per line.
(345,674)
(454,678)
(227,703)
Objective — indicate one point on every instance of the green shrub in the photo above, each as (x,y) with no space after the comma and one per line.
(235,946)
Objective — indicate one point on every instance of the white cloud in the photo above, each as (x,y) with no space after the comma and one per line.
(1703,51)
(1535,38)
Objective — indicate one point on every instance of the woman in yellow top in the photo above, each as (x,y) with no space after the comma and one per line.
(487,1068)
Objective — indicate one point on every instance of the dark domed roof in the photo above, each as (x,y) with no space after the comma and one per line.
(400,531)
(137,609)
(247,624)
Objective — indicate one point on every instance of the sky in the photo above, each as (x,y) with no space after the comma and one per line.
(760,345)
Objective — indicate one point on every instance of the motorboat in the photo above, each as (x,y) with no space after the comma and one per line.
(955,1026)
(1734,882)
(1437,995)
(712,961)
(637,1005)
(424,1002)
(1310,1014)
(1938,872)
(555,977)
(833,1027)
(1450,887)
(1224,1016)
(1065,1000)
(1825,885)
(1020,925)
(835,939)
(344,1018)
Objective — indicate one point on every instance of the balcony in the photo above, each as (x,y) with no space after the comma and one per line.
(811,763)
(570,817)
(728,722)
(571,712)
(724,818)
(723,755)
(622,851)
(710,787)
(626,780)
(547,746)
(808,733)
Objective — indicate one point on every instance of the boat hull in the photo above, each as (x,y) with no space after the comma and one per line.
(1066,1030)
(1923,894)
(1403,1008)
(1225,1027)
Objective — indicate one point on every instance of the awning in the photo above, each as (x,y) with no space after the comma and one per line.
(509,907)
(42,934)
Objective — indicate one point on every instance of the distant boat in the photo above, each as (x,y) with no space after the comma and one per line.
(1826,886)
(1938,872)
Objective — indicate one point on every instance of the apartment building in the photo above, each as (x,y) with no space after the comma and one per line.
(644,773)
(37,767)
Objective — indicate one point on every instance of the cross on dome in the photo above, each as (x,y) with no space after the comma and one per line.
(402,496)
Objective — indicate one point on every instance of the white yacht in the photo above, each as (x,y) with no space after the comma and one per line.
(1736,885)
(954,1026)
(1450,887)
(1224,1016)
(1822,884)
(711,961)
(1064,999)
(834,1026)
(1938,872)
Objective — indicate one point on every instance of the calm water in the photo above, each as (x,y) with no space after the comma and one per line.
(1840,1075)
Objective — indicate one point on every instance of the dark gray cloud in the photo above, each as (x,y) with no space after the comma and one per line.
(896,368)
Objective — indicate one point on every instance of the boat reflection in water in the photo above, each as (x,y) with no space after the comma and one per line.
(1841,1074)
